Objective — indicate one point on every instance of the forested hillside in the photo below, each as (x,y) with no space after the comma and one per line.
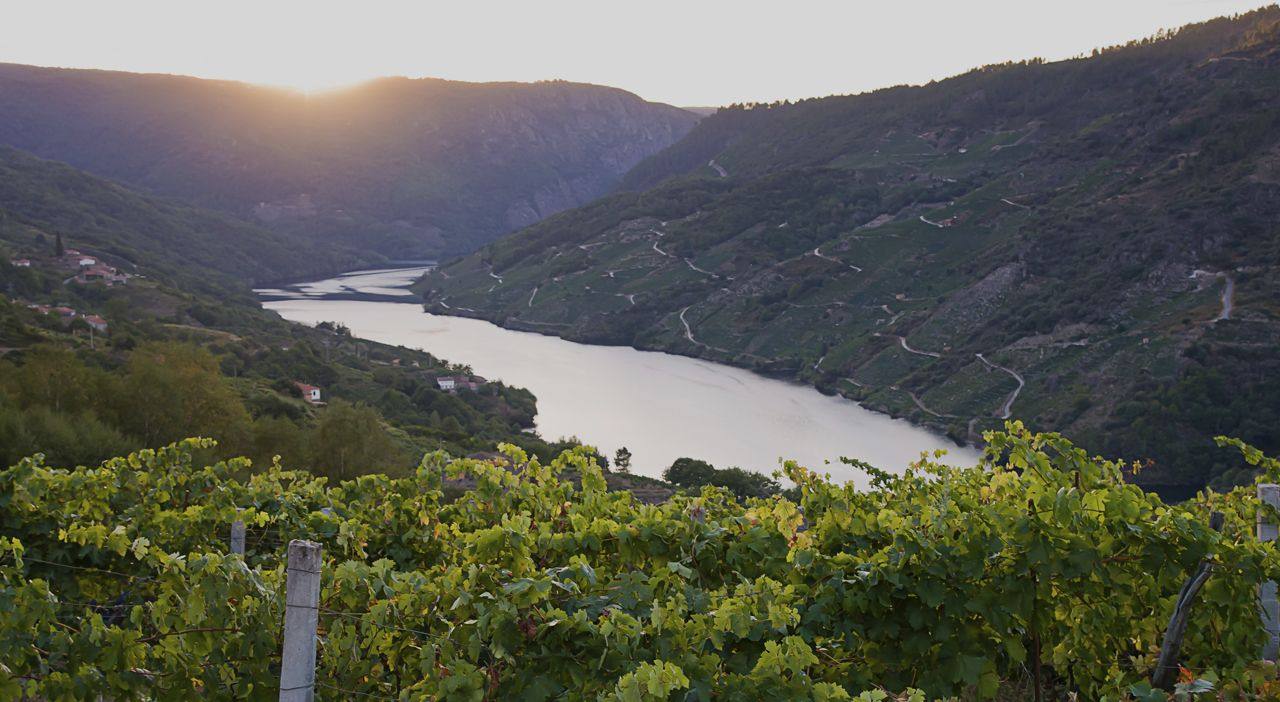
(1091,245)
(1040,568)
(404,168)
(193,248)
(126,322)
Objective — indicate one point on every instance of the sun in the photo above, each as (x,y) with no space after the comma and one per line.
(318,77)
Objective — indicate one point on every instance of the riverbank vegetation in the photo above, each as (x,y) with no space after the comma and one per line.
(171,344)
(1041,566)
(1088,245)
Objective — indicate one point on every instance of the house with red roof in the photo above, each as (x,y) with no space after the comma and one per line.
(310,393)
(95,322)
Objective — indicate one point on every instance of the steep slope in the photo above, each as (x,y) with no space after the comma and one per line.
(187,245)
(166,277)
(403,167)
(1052,242)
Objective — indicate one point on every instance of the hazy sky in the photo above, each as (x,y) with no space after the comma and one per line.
(687,52)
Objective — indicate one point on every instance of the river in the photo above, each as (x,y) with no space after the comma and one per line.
(660,406)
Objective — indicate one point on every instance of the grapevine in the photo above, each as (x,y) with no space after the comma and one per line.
(115,580)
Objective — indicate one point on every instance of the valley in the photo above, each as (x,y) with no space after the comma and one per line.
(1019,241)
(395,168)
(962,389)
(659,406)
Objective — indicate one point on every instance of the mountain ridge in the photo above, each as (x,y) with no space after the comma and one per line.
(1019,240)
(402,167)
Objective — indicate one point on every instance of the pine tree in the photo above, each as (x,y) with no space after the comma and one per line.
(58,249)
(622,459)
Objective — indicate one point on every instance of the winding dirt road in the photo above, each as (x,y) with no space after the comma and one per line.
(1228,291)
(921,404)
(817,251)
(1007,410)
(688,333)
(1228,298)
(902,340)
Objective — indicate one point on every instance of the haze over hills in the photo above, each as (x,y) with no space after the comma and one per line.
(1090,245)
(395,167)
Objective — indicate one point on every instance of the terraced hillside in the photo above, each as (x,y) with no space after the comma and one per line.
(1091,245)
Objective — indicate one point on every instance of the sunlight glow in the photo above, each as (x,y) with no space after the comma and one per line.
(703,53)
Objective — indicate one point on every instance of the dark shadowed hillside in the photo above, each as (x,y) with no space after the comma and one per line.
(192,247)
(1091,245)
(405,168)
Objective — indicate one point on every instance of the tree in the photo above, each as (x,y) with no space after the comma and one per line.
(622,459)
(350,441)
(689,473)
(278,436)
(52,377)
(173,391)
(58,249)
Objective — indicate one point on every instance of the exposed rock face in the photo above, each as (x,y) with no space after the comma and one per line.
(472,161)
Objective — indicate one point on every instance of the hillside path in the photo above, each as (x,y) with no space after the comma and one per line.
(1228,298)
(902,340)
(688,333)
(1007,410)
(817,251)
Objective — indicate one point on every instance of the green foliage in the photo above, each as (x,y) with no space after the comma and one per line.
(349,440)
(692,473)
(169,390)
(622,459)
(114,582)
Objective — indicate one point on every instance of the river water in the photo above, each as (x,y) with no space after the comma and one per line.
(660,406)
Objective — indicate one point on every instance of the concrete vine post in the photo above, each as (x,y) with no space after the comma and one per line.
(1269,494)
(301,616)
(237,537)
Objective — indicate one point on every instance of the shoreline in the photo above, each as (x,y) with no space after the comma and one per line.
(789,378)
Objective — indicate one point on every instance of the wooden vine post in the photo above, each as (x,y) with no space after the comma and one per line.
(1166,672)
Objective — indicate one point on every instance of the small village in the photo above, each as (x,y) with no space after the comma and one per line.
(83,269)
(69,315)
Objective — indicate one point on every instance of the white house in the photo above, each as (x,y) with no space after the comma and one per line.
(20,263)
(310,393)
(454,383)
(98,323)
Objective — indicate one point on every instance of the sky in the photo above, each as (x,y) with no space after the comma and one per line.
(685,52)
